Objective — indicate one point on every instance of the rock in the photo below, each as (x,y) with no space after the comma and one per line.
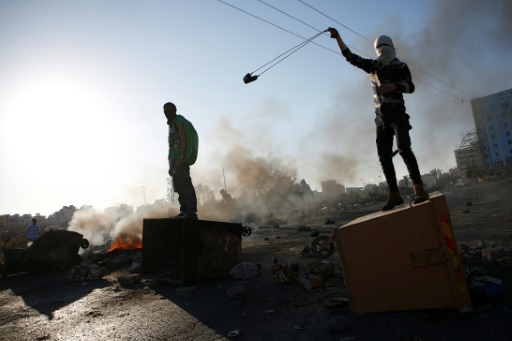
(128,281)
(245,271)
(97,272)
(79,273)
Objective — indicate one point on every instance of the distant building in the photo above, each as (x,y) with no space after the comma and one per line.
(332,190)
(19,222)
(65,214)
(493,122)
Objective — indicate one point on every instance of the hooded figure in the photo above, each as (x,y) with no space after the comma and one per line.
(385,49)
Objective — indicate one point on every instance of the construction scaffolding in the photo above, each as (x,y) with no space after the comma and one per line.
(469,154)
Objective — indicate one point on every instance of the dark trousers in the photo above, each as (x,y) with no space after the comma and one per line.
(386,131)
(182,184)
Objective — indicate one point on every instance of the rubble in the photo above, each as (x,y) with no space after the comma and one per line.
(87,272)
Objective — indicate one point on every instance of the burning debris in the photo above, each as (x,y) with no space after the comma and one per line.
(126,242)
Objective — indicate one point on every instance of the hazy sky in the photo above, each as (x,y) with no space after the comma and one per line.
(82,84)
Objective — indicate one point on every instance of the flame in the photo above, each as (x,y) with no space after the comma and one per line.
(126,244)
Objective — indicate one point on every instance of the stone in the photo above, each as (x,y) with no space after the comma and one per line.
(245,271)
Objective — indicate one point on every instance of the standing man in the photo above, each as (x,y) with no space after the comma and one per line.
(390,78)
(32,232)
(183,146)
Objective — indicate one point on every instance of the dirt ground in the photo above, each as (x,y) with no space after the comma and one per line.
(47,306)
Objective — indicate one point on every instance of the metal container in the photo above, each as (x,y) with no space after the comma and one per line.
(181,251)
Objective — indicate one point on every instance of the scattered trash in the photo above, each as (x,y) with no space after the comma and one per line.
(337,304)
(284,272)
(310,281)
(234,333)
(325,269)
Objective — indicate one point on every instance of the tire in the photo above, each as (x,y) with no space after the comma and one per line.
(320,248)
(84,244)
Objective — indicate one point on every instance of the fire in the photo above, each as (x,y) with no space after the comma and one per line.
(132,243)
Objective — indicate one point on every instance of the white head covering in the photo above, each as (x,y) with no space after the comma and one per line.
(384,48)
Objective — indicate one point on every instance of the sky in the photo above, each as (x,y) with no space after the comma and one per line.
(82,85)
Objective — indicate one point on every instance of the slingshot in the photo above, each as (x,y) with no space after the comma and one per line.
(250,78)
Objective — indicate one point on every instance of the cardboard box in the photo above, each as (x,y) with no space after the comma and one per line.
(403,259)
(180,251)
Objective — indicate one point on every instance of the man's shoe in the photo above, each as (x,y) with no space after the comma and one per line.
(420,195)
(394,199)
(191,216)
(181,215)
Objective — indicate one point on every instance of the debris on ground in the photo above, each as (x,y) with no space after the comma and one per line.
(284,272)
